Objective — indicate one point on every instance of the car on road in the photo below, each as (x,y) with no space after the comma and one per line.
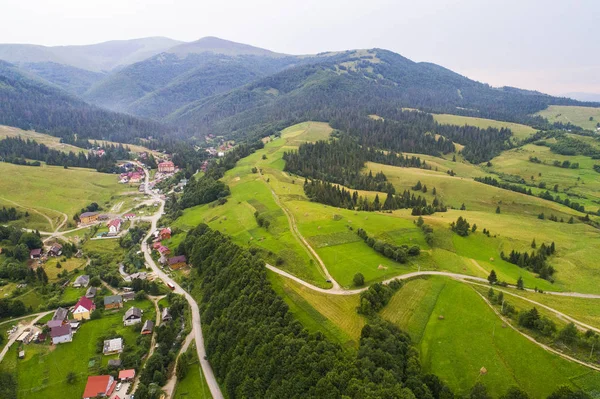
(118,388)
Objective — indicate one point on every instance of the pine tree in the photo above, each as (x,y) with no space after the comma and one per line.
(520,283)
(434,191)
(498,209)
(533,244)
(463,207)
(492,278)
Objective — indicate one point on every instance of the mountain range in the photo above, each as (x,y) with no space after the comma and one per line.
(219,86)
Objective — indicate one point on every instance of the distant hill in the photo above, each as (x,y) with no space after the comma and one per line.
(99,57)
(365,81)
(595,97)
(189,72)
(28,102)
(74,80)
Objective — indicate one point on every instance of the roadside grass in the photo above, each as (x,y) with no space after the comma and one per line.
(519,131)
(43,371)
(470,336)
(579,116)
(193,385)
(55,188)
(333,315)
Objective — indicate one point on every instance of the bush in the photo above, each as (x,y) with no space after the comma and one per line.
(359,280)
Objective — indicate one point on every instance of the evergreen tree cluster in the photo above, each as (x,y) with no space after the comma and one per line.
(203,190)
(461,227)
(377,296)
(331,194)
(9,214)
(257,349)
(536,261)
(16,150)
(399,253)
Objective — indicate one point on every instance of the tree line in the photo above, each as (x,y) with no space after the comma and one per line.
(10,214)
(536,261)
(399,253)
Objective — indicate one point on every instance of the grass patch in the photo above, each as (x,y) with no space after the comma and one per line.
(519,131)
(579,116)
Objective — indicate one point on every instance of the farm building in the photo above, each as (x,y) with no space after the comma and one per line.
(61,334)
(177,262)
(112,346)
(35,253)
(113,302)
(83,309)
(132,316)
(148,327)
(82,281)
(99,386)
(88,217)
(55,250)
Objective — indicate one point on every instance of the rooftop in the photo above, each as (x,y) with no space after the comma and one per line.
(177,259)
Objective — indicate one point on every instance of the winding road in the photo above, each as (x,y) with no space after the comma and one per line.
(213,385)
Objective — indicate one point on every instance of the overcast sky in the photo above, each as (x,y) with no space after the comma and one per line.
(552,46)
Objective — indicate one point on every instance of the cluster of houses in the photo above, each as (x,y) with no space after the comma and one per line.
(38,253)
(174,262)
(131,173)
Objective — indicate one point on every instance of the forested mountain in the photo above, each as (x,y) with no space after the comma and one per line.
(164,83)
(364,81)
(30,103)
(94,57)
(74,80)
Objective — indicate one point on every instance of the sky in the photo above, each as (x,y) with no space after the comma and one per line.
(551,46)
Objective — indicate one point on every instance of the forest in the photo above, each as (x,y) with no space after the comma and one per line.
(16,150)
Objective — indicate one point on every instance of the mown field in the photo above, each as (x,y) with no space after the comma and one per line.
(52,190)
(579,116)
(458,334)
(43,371)
(519,131)
(41,138)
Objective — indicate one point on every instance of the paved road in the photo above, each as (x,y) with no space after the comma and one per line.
(215,390)
(20,330)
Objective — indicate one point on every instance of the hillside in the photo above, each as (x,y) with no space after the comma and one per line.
(72,79)
(365,81)
(166,82)
(30,103)
(94,57)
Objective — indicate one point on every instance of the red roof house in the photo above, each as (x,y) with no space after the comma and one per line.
(83,308)
(99,385)
(35,253)
(164,250)
(126,375)
(166,167)
(129,216)
(156,245)
(165,233)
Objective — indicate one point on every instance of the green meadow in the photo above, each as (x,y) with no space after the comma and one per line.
(579,116)
(458,334)
(193,385)
(41,138)
(519,131)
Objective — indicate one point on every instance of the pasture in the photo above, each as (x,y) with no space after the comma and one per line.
(519,131)
(41,138)
(579,116)
(458,334)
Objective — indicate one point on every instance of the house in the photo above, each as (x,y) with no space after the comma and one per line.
(114,363)
(61,334)
(177,262)
(103,217)
(148,327)
(156,245)
(129,216)
(83,309)
(74,325)
(113,302)
(35,253)
(54,323)
(166,315)
(132,316)
(128,296)
(55,250)
(91,292)
(58,319)
(163,250)
(112,346)
(126,375)
(166,167)
(82,281)
(98,386)
(88,217)
(165,233)
(114,226)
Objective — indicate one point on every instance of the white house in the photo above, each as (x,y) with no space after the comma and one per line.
(132,316)
(61,334)
(114,226)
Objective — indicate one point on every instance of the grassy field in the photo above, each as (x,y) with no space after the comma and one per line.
(53,189)
(333,315)
(519,131)
(68,264)
(41,138)
(470,336)
(43,371)
(194,385)
(579,116)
